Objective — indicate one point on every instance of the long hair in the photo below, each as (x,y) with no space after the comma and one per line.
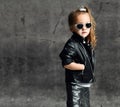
(91,38)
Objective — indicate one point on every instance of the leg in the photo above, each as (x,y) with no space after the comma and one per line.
(85,102)
(77,96)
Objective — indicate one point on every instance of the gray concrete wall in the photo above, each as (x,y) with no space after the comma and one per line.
(32,34)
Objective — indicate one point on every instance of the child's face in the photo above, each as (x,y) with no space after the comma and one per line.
(84,28)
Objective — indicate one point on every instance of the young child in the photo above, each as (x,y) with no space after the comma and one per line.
(78,57)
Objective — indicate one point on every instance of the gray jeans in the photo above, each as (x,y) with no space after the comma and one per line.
(77,96)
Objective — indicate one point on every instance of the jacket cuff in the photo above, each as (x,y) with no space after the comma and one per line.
(66,62)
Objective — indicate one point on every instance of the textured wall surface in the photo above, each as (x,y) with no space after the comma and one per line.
(32,34)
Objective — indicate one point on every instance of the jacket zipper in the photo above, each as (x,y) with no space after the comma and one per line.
(88,59)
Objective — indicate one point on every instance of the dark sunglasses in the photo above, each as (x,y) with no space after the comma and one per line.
(80,26)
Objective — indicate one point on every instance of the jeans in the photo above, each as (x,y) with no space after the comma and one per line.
(77,96)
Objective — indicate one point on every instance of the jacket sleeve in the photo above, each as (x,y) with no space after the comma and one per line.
(68,53)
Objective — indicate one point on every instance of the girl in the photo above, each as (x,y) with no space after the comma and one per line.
(78,57)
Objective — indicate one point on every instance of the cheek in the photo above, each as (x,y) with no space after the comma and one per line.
(89,30)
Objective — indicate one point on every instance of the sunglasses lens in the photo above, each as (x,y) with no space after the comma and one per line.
(88,25)
(80,26)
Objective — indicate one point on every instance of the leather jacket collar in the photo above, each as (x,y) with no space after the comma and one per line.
(79,38)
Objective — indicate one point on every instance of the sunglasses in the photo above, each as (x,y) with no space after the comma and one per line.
(80,26)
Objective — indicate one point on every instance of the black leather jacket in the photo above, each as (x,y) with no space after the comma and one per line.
(78,50)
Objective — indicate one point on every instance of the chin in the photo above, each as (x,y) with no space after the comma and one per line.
(84,36)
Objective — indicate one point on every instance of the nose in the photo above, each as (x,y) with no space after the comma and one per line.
(84,27)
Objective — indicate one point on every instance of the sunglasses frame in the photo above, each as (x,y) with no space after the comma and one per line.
(87,25)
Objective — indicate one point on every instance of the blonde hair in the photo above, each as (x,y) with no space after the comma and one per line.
(72,20)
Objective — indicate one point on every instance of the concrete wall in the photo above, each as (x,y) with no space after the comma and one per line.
(32,34)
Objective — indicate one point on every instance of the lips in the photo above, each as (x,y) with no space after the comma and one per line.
(84,32)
